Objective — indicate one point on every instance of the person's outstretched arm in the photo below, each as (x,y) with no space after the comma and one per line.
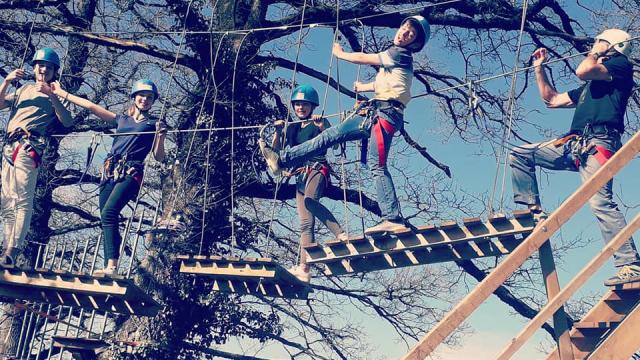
(356,57)
(96,109)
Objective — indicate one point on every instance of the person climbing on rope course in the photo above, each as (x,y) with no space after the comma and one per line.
(124,165)
(34,114)
(313,177)
(593,138)
(381,118)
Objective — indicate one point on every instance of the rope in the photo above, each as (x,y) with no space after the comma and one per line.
(504,74)
(343,155)
(507,131)
(233,122)
(287,123)
(214,61)
(358,163)
(155,139)
(259,29)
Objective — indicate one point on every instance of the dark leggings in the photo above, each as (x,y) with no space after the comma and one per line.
(310,208)
(114,196)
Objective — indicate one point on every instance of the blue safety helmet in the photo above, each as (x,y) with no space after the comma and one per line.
(144,85)
(305,93)
(46,54)
(423,35)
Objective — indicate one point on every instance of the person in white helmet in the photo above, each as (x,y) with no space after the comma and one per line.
(384,116)
(34,114)
(593,138)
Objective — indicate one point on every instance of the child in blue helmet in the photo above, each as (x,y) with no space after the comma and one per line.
(385,116)
(35,112)
(123,167)
(312,177)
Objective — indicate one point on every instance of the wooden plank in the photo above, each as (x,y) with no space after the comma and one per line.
(540,234)
(432,238)
(602,310)
(622,342)
(64,282)
(552,285)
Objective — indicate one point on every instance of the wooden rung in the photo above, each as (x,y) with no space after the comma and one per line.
(522,213)
(496,218)
(200,257)
(587,325)
(448,224)
(471,221)
(634,286)
(246,287)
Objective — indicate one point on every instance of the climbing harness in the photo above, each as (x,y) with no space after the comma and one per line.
(27,142)
(117,167)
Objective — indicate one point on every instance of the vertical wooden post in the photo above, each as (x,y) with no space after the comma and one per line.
(551,283)
(540,234)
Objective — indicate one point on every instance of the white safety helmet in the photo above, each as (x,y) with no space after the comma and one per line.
(618,39)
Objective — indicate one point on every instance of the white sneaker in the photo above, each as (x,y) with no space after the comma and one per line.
(626,274)
(298,272)
(107,271)
(385,226)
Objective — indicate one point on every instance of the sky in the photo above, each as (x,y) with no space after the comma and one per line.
(493,323)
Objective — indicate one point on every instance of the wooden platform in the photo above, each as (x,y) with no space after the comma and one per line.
(114,294)
(254,276)
(448,241)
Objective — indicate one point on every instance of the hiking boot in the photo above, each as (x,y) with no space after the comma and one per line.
(626,274)
(6,261)
(272,157)
(386,226)
(298,272)
(107,271)
(539,216)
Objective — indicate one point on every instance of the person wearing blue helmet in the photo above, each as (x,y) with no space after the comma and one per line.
(124,165)
(34,114)
(382,117)
(312,176)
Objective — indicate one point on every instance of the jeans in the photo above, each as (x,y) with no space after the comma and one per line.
(114,196)
(18,190)
(309,208)
(546,155)
(356,128)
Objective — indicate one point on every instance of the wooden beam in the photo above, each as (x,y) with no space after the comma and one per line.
(563,296)
(552,285)
(540,234)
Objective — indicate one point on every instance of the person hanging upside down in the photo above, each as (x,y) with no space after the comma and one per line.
(392,93)
(35,112)
(124,165)
(594,137)
(313,177)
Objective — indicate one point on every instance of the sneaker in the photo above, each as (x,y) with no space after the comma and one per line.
(626,274)
(539,216)
(270,156)
(298,272)
(107,271)
(342,236)
(386,226)
(6,261)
